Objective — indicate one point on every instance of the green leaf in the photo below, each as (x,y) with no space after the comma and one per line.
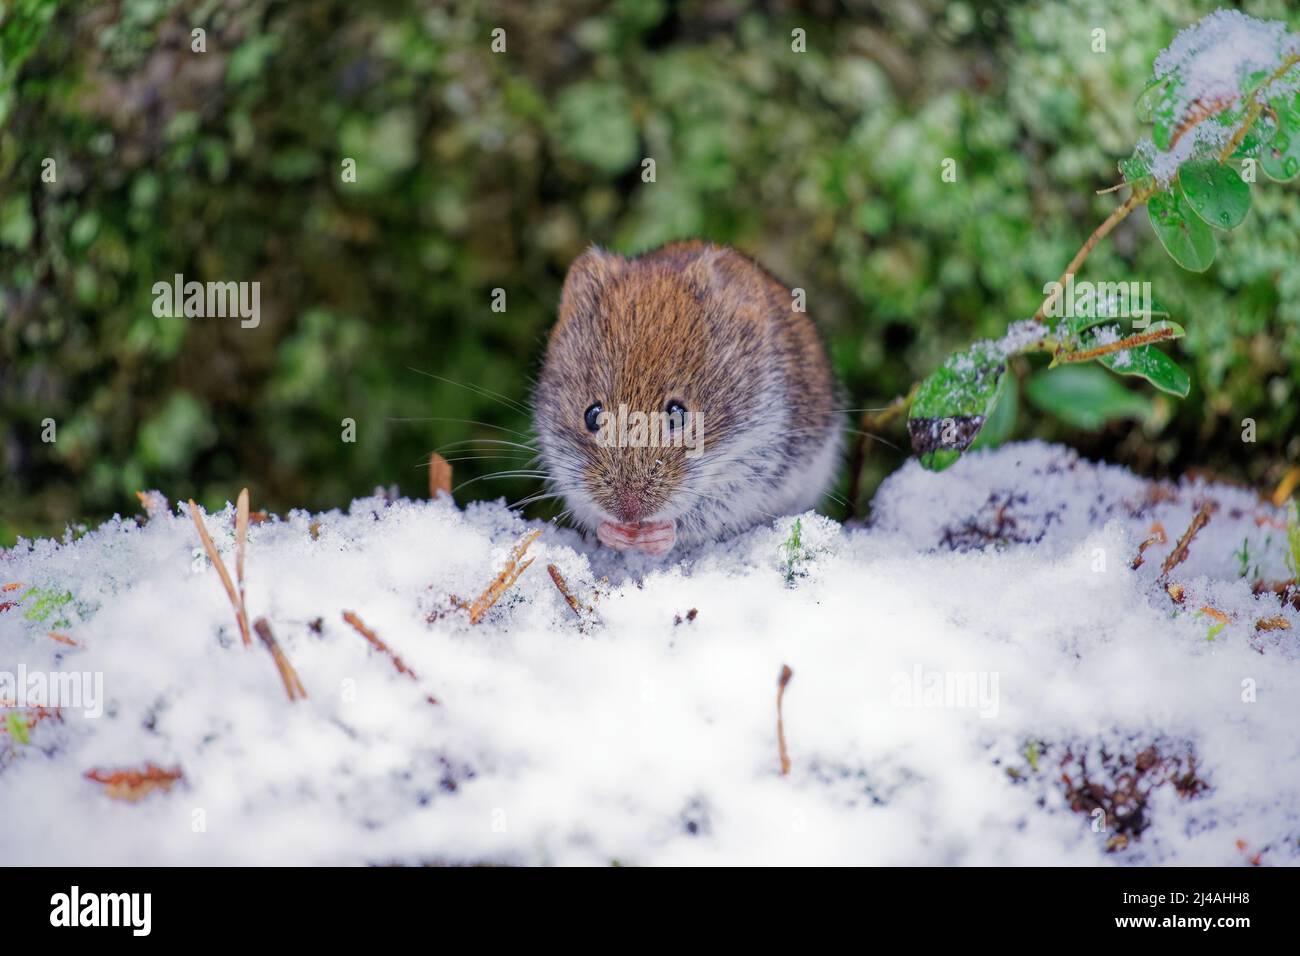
(47,606)
(1166,111)
(594,125)
(1148,362)
(1149,99)
(1187,239)
(1001,423)
(1215,192)
(1137,166)
(1084,396)
(17,727)
(1280,159)
(1113,302)
(953,403)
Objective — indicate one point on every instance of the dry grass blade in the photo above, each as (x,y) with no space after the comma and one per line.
(360,627)
(292,685)
(1158,536)
(62,639)
(133,785)
(241,544)
(1215,613)
(508,576)
(563,586)
(1282,493)
(781,683)
(439,475)
(155,503)
(1275,623)
(240,615)
(1179,554)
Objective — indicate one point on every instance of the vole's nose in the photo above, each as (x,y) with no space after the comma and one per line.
(629,505)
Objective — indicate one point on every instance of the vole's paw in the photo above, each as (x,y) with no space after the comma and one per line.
(652,537)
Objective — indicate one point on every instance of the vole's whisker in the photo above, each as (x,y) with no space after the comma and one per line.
(478,390)
(500,475)
(456,461)
(465,421)
(524,502)
(500,442)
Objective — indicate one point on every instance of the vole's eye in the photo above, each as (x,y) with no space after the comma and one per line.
(592,417)
(676,414)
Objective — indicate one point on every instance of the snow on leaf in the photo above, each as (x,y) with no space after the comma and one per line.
(1148,362)
(953,403)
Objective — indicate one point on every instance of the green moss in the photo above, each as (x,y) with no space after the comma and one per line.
(478,170)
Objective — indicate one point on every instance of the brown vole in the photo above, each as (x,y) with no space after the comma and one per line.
(683,398)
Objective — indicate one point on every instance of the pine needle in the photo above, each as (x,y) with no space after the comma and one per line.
(508,576)
(241,616)
(292,685)
(360,627)
(1179,554)
(563,586)
(241,542)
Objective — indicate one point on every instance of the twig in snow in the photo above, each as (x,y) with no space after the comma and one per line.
(155,503)
(569,599)
(62,639)
(134,785)
(1275,623)
(241,542)
(359,626)
(1179,554)
(292,685)
(439,475)
(508,576)
(241,615)
(781,683)
(1158,536)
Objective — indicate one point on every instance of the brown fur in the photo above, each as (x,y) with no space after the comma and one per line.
(690,321)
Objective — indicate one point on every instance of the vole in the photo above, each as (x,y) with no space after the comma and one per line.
(683,398)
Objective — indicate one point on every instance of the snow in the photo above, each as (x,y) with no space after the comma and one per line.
(987,615)
(1209,61)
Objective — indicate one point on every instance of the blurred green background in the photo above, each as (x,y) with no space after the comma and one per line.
(479,170)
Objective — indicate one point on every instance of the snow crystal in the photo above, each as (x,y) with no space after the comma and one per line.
(1213,54)
(1211,58)
(979,677)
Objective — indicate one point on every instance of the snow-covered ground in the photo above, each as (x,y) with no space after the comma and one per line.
(644,734)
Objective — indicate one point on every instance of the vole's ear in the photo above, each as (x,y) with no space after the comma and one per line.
(716,270)
(590,273)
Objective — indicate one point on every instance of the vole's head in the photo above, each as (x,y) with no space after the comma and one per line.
(653,372)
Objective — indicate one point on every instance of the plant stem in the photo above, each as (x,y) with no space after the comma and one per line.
(1101,232)
(1255,109)
(873,420)
(1132,342)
